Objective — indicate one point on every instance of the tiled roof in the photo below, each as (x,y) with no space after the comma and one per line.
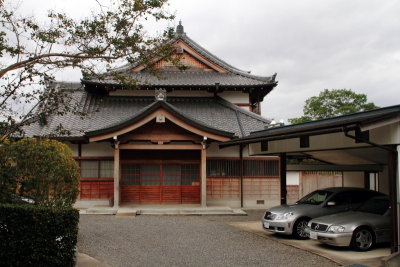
(188,79)
(103,111)
(233,77)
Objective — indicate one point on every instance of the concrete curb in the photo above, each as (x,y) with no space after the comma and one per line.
(133,211)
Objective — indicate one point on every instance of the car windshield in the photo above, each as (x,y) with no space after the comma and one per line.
(375,205)
(315,198)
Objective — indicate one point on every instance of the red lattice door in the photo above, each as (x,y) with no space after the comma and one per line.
(160,183)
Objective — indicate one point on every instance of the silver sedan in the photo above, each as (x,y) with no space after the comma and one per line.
(360,229)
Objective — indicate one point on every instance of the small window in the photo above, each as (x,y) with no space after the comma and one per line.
(304,141)
(264,146)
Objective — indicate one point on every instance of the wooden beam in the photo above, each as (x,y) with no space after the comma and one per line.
(331,167)
(152,116)
(160,137)
(161,147)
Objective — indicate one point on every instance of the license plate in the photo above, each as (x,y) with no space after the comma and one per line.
(266,225)
(313,235)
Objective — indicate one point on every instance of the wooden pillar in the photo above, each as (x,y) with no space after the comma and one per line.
(241,175)
(203,178)
(283,178)
(116,177)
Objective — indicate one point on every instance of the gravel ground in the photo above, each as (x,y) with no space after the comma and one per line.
(184,241)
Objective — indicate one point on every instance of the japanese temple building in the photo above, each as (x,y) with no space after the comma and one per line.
(159,143)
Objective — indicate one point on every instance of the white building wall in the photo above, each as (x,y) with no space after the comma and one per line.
(213,151)
(236,97)
(292,178)
(97,150)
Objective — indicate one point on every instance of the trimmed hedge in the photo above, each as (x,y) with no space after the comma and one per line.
(37,236)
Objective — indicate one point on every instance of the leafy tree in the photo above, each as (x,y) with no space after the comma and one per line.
(31,52)
(332,103)
(43,170)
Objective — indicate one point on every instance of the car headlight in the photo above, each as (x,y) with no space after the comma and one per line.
(284,216)
(336,229)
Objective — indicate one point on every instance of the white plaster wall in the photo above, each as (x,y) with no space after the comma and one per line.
(230,152)
(97,150)
(353,179)
(237,97)
(292,178)
(195,93)
(74,148)
(246,108)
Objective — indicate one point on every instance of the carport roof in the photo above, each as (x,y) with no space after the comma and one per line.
(358,120)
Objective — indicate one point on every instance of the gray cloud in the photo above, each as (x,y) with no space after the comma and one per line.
(311,44)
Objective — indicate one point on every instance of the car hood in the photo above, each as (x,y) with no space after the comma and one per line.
(296,208)
(344,217)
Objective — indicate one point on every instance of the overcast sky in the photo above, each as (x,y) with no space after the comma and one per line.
(310,44)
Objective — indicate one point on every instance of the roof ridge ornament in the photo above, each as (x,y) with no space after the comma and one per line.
(161,95)
(179,29)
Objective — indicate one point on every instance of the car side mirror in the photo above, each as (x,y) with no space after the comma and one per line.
(331,203)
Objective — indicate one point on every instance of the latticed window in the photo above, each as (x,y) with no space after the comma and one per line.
(260,168)
(97,168)
(130,174)
(190,174)
(223,167)
(251,167)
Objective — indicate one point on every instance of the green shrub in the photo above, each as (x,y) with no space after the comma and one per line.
(37,236)
(44,171)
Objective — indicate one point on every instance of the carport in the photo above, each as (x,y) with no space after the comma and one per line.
(366,143)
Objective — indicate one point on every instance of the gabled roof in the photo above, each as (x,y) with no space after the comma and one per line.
(361,120)
(160,104)
(220,73)
(105,112)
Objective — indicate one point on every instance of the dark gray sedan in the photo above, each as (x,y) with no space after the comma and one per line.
(360,229)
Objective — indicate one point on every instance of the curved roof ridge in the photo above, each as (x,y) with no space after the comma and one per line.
(204,52)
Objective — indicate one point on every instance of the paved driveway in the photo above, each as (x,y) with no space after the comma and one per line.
(184,241)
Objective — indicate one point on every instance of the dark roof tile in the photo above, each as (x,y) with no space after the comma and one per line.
(107,111)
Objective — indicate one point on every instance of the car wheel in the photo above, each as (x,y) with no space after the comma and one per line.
(363,239)
(299,228)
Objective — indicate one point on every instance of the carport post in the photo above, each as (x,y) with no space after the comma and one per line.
(393,169)
(283,178)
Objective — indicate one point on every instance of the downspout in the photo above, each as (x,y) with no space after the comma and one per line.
(241,175)
(393,169)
